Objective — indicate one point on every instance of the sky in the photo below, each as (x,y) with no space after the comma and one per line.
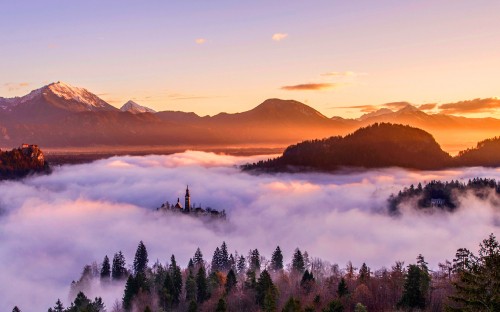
(221,55)
(80,213)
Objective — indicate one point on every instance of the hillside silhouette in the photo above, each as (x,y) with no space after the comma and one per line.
(376,146)
(486,153)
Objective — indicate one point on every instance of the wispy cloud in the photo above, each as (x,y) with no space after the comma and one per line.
(361,108)
(429,106)
(310,87)
(200,40)
(13,86)
(396,105)
(472,106)
(279,36)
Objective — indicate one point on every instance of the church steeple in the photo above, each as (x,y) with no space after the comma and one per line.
(187,201)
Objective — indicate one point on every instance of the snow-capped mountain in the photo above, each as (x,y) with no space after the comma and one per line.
(58,95)
(135,108)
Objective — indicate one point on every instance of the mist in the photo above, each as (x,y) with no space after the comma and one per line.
(51,226)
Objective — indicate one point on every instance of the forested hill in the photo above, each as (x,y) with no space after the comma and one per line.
(486,153)
(22,161)
(444,195)
(376,146)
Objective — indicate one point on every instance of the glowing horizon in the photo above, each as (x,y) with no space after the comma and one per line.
(229,57)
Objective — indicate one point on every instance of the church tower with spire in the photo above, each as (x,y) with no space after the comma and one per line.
(187,201)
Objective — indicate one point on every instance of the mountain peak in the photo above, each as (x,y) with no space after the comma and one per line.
(379,112)
(135,108)
(279,106)
(86,100)
(408,108)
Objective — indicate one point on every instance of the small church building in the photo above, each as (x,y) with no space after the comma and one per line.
(190,209)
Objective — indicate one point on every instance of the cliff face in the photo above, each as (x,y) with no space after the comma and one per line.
(22,161)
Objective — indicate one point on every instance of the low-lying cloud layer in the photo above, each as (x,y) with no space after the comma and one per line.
(51,226)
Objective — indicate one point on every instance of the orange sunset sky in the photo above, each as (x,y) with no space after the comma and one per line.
(213,56)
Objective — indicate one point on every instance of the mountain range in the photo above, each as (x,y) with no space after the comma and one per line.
(60,115)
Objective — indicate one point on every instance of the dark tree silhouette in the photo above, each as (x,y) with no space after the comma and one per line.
(342,289)
(118,270)
(190,287)
(140,259)
(201,285)
(198,258)
(266,292)
(231,281)
(478,285)
(254,262)
(105,269)
(413,296)
(298,262)
(277,259)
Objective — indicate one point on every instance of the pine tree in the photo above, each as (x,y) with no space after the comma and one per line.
(166,296)
(277,260)
(58,307)
(198,258)
(175,272)
(224,258)
(463,260)
(413,297)
(105,269)
(254,262)
(81,303)
(478,282)
(201,285)
(298,262)
(140,259)
(266,292)
(250,280)
(216,261)
(16,309)
(118,270)
(190,265)
(190,287)
(364,273)
(131,289)
(342,289)
(307,281)
(221,306)
(242,265)
(231,281)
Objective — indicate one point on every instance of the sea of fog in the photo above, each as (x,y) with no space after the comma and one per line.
(51,226)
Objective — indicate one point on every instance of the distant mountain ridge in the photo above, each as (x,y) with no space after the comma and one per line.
(60,115)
